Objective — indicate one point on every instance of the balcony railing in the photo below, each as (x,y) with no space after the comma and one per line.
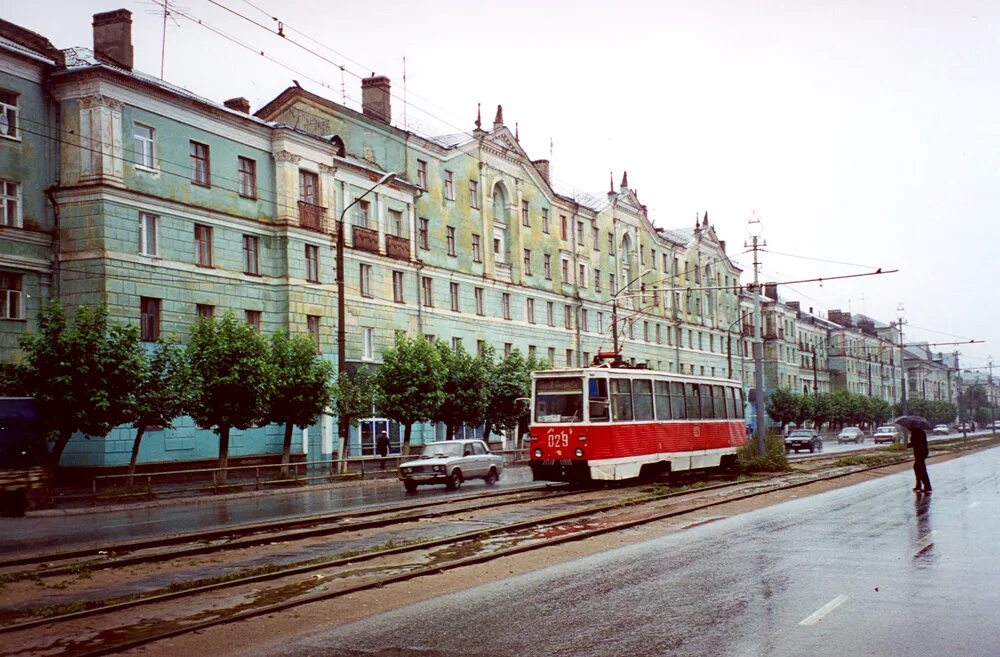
(311,215)
(397,247)
(365,239)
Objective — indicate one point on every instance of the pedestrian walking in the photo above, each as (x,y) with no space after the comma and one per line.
(382,447)
(918,440)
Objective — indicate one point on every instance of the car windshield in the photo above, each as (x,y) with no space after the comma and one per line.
(439,450)
(886,429)
(801,433)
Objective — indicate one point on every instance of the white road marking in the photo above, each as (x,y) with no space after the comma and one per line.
(925,542)
(974,504)
(821,613)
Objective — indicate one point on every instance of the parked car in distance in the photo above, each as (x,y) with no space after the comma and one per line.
(941,430)
(803,439)
(851,435)
(451,462)
(965,426)
(887,434)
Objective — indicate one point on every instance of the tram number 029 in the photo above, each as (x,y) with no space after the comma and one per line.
(558,439)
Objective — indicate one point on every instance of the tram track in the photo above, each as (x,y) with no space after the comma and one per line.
(589,521)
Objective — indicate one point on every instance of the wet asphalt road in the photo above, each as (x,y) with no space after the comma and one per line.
(873,569)
(38,533)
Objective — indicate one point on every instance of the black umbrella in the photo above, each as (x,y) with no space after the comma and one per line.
(914,422)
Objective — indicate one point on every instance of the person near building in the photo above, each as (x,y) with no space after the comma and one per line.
(382,446)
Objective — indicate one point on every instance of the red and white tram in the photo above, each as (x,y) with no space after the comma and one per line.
(606,423)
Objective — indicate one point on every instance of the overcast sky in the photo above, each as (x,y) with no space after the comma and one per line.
(863,133)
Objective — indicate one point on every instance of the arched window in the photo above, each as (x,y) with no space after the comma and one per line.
(501,244)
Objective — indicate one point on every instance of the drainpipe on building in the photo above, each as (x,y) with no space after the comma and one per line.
(579,300)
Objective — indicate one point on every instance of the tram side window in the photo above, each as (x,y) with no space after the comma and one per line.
(740,404)
(692,399)
(642,399)
(598,392)
(662,399)
(621,399)
(719,401)
(707,404)
(677,407)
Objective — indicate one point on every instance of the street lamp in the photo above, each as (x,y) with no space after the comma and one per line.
(341,308)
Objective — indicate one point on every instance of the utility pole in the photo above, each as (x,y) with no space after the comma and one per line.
(902,365)
(754,229)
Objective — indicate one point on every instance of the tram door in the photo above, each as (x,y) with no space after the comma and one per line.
(370,429)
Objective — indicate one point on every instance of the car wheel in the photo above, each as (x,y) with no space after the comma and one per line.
(812,448)
(491,477)
(410,485)
(454,480)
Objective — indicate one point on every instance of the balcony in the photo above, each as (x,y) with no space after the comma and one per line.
(311,215)
(397,247)
(365,239)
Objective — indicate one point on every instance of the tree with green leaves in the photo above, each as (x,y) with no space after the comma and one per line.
(466,389)
(412,383)
(819,410)
(81,373)
(163,393)
(510,392)
(232,379)
(303,386)
(783,406)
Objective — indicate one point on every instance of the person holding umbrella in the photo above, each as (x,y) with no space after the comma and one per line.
(918,427)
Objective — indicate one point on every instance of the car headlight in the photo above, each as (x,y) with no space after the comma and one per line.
(438,468)
(538,453)
(406,471)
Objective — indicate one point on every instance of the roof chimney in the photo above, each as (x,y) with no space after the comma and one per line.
(771,291)
(113,38)
(375,98)
(240,104)
(543,168)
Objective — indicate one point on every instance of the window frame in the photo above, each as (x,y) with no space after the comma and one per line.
(248,176)
(8,200)
(367,343)
(423,230)
(453,296)
(311,255)
(477,248)
(145,219)
(365,280)
(203,238)
(427,291)
(150,310)
(449,185)
(201,176)
(12,113)
(145,157)
(473,193)
(251,255)
(398,286)
(449,233)
(254,319)
(11,296)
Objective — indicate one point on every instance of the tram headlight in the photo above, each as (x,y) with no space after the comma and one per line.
(538,453)
(579,452)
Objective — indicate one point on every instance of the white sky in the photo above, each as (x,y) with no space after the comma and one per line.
(860,131)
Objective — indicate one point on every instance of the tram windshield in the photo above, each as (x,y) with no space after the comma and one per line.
(559,399)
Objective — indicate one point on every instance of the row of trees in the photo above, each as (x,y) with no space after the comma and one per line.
(841,408)
(89,376)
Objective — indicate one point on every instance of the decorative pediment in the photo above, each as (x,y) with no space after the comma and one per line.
(502,138)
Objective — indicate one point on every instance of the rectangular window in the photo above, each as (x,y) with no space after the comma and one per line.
(422,233)
(659,338)
(505,303)
(569,358)
(527,262)
(149,229)
(142,140)
(545,220)
(428,289)
(507,348)
(456,343)
(552,356)
(396,223)
(312,326)
(480,346)
(450,237)
(201,166)
(600,323)
(597,280)
(11,305)
(449,185)
(367,334)
(550,313)
(149,319)
(312,263)
(362,211)
(248,177)
(579,233)
(565,271)
(583,319)
(203,245)
(645,331)
(205,311)
(422,174)
(611,243)
(251,255)
(568,317)
(397,286)
(453,295)
(563,227)
(10,204)
(621,399)
(596,236)
(642,399)
(254,319)
(477,249)
(525,217)
(474,194)
(581,281)
(612,284)
(529,310)
(9,126)
(479,301)
(547,265)
(365,280)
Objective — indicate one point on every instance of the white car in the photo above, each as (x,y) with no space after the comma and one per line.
(887,434)
(941,430)
(451,462)
(851,435)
